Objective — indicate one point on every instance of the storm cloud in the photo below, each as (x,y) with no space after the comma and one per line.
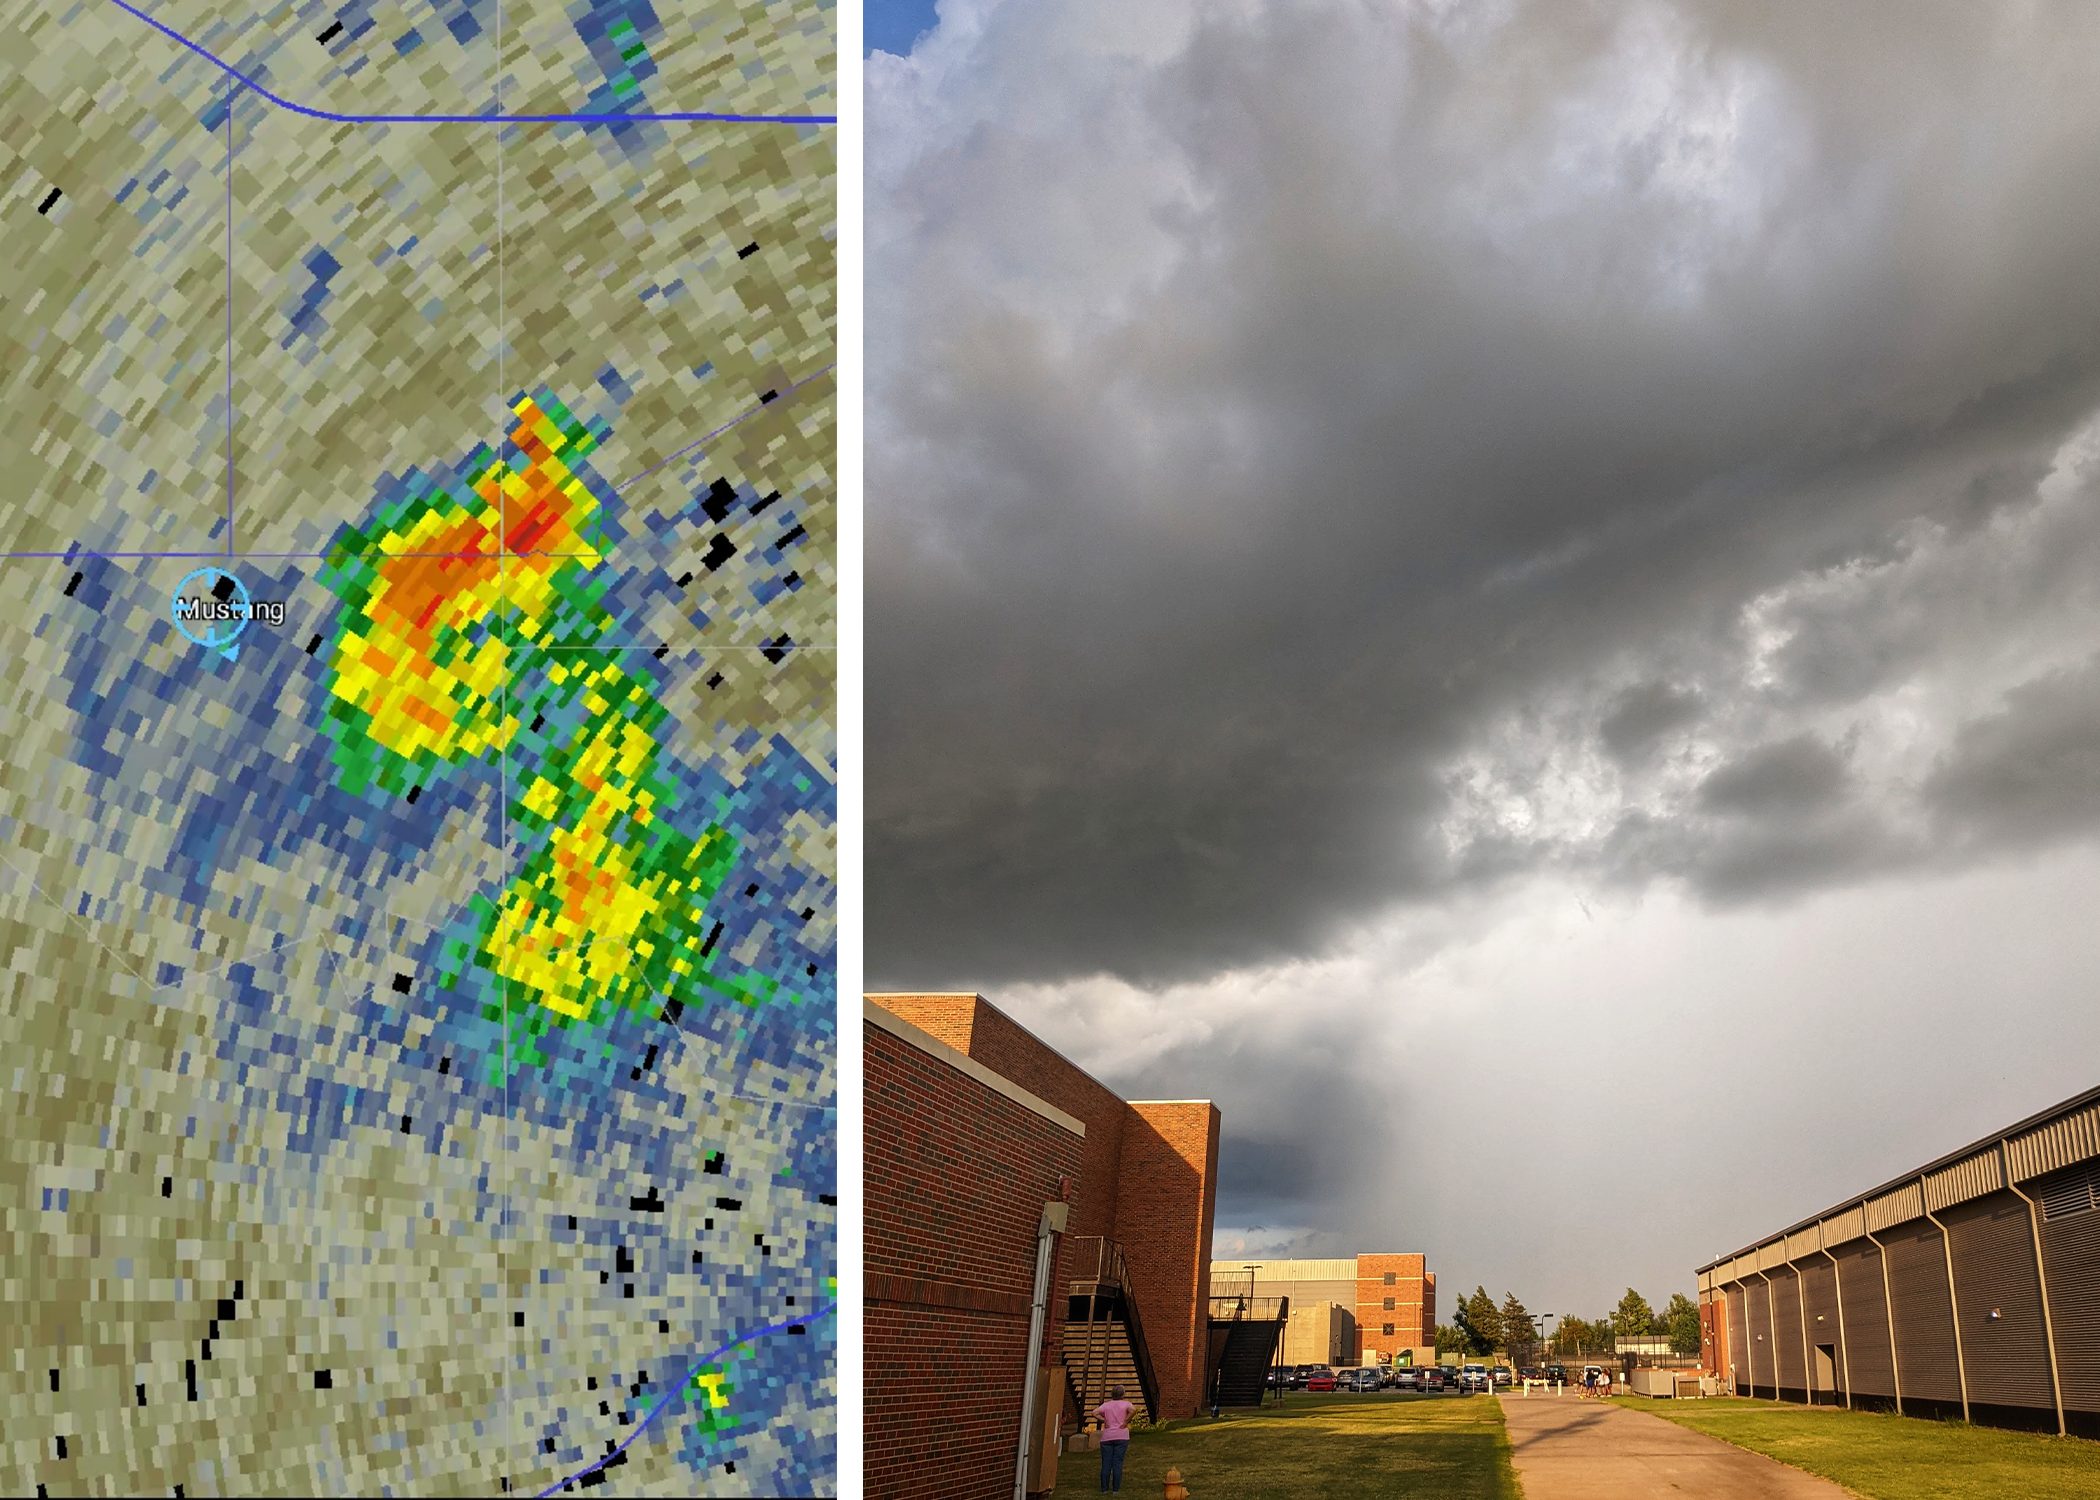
(1328,464)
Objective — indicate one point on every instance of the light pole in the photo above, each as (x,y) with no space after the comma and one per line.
(1250,1314)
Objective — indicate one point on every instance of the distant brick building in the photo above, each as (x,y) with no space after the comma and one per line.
(971,1122)
(1393,1297)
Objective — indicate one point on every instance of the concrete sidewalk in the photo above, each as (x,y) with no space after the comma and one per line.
(1568,1448)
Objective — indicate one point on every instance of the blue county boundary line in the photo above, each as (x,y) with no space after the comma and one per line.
(76,551)
(486,118)
(243,80)
(672,1396)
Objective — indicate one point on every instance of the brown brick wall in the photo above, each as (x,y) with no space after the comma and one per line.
(1414,1303)
(1713,1333)
(956,1176)
(1147,1176)
(947,1018)
(1169,1200)
(982,1032)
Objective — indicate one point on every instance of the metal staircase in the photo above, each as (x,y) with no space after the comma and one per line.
(1246,1335)
(1104,1339)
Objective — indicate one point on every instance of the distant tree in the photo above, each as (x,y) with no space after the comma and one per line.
(1450,1340)
(1680,1321)
(1518,1332)
(1592,1335)
(1589,1335)
(1633,1317)
(1480,1321)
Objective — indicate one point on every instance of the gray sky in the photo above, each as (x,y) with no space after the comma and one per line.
(1436,567)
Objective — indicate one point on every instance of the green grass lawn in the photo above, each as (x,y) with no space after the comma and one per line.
(1365,1447)
(1896,1458)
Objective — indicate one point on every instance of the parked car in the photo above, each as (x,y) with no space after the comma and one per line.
(1502,1375)
(1361,1379)
(1433,1380)
(1407,1378)
(1558,1373)
(1531,1372)
(1321,1379)
(1473,1378)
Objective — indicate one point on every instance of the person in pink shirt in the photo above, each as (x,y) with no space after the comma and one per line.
(1115,1438)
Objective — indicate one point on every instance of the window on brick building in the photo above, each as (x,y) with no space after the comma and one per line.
(1391,1278)
(1388,1304)
(1388,1330)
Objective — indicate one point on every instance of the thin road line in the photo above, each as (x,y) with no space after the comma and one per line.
(75,917)
(679,1390)
(710,437)
(554,119)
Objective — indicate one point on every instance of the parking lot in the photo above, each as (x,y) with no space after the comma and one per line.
(1439,1380)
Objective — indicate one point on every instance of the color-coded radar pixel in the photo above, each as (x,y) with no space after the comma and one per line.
(417,826)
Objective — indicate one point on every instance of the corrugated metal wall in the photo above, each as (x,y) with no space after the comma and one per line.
(1917,1270)
(2000,1297)
(1849,1225)
(1762,1380)
(1819,1309)
(1870,1367)
(1784,1300)
(1738,1338)
(2058,1144)
(1971,1177)
(1786,1335)
(1899,1206)
(2071,1252)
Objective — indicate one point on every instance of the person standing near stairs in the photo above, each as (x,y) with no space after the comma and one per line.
(1115,1438)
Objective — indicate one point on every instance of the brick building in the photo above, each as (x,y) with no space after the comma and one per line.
(971,1122)
(1393,1298)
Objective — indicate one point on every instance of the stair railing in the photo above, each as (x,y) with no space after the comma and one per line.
(1111,1270)
(1232,1311)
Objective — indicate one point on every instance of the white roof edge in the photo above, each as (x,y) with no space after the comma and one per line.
(934,1047)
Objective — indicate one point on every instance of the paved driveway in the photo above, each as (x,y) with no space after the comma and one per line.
(1571,1449)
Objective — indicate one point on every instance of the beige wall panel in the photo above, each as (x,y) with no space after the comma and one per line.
(2059,1144)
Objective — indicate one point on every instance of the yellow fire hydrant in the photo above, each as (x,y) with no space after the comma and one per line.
(1176,1490)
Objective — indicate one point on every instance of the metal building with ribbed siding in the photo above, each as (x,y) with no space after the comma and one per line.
(1968,1288)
